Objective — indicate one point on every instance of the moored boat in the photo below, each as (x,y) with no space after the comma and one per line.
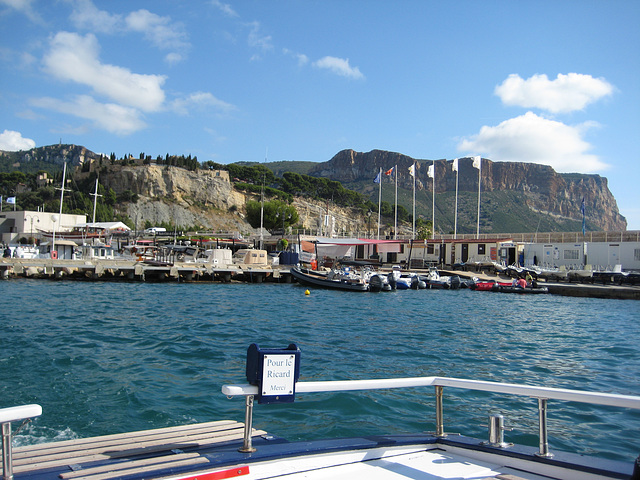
(339,279)
(521,290)
(488,286)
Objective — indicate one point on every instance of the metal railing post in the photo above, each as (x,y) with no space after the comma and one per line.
(544,443)
(439,412)
(7,460)
(248,425)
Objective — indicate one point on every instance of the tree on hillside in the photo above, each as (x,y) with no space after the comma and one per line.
(276,215)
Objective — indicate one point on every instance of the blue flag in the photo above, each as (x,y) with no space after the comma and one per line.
(377,179)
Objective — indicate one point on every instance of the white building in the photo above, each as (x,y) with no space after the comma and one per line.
(14,225)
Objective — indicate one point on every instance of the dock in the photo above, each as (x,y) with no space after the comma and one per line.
(135,271)
(132,270)
(622,292)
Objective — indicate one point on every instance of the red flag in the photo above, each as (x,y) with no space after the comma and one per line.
(390,171)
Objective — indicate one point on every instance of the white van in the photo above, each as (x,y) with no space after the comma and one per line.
(155,230)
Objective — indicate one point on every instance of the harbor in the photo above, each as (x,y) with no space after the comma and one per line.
(145,356)
(134,271)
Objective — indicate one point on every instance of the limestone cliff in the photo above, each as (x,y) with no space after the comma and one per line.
(516,197)
(539,186)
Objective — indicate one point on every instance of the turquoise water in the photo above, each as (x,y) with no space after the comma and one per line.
(105,358)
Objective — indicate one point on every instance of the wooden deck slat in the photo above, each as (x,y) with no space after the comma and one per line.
(79,458)
(129,445)
(177,460)
(133,448)
(132,471)
(127,435)
(131,438)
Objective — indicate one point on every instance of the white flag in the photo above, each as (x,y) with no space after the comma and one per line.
(412,170)
(430,171)
(476,162)
(454,165)
(11,200)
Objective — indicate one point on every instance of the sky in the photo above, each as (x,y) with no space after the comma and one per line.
(550,82)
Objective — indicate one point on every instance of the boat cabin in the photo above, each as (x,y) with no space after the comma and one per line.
(63,250)
(250,256)
(97,252)
(217,257)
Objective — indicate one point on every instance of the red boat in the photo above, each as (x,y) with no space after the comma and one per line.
(488,286)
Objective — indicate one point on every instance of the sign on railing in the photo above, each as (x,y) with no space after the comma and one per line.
(274,371)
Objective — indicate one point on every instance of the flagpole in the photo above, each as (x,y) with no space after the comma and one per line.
(433,201)
(414,200)
(479,183)
(455,221)
(395,223)
(379,198)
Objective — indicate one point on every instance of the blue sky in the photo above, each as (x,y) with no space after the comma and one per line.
(553,82)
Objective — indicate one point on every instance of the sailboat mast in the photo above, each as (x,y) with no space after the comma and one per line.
(95,201)
(64,176)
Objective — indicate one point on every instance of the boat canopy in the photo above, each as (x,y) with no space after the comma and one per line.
(110,226)
(337,247)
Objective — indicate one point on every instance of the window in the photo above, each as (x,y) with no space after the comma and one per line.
(430,249)
(572,254)
(481,248)
(636,254)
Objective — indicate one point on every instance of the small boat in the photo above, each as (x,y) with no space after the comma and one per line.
(404,281)
(434,280)
(379,283)
(488,286)
(337,278)
(521,290)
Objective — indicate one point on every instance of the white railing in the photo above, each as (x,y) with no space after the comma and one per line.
(542,394)
(8,415)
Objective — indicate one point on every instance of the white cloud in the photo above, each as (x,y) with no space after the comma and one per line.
(566,93)
(12,141)
(158,30)
(75,58)
(534,139)
(339,66)
(257,39)
(173,58)
(25,7)
(224,8)
(300,57)
(86,15)
(200,100)
(106,116)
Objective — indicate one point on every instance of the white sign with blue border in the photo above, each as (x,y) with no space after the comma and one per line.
(278,372)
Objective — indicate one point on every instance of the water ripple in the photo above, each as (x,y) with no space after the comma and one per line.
(105,358)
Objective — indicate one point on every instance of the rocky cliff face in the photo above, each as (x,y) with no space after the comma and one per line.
(182,197)
(543,189)
(178,196)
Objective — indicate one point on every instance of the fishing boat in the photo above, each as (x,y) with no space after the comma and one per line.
(344,278)
(229,449)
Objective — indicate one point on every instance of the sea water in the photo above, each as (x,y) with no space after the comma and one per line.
(105,358)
